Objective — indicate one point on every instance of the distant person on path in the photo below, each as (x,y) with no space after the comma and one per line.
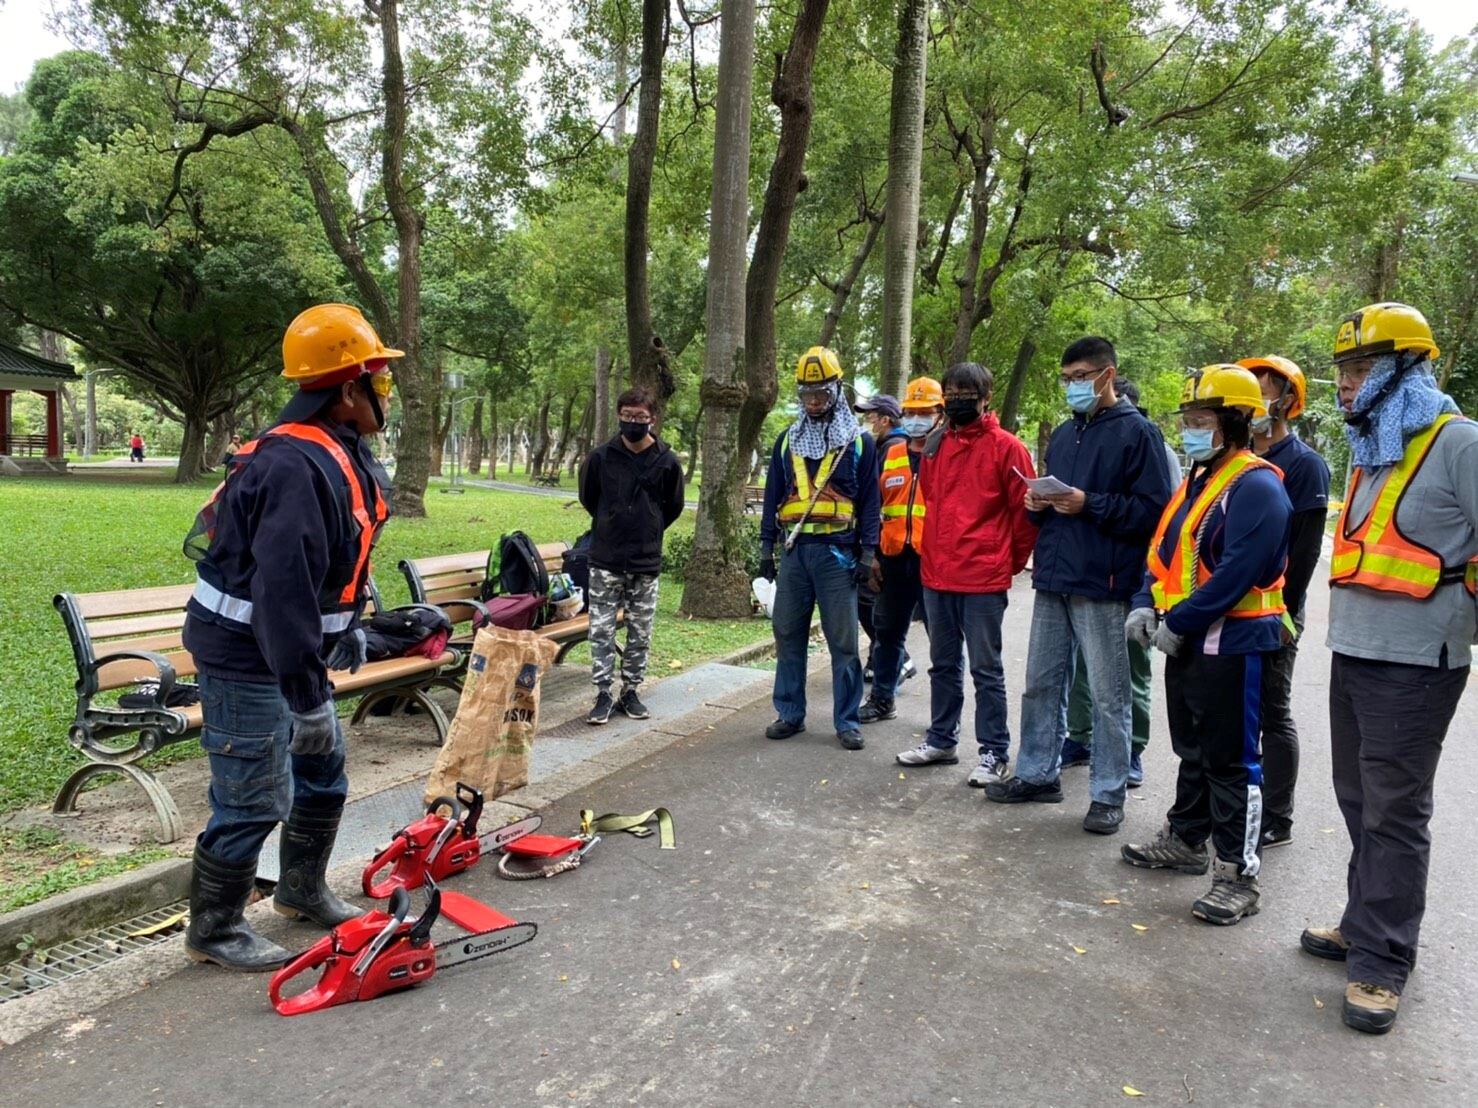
(282,556)
(232,449)
(1306,480)
(1212,601)
(1401,626)
(1087,565)
(898,582)
(977,537)
(819,537)
(882,414)
(632,486)
(135,447)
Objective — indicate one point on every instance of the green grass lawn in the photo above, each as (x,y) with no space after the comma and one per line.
(121,529)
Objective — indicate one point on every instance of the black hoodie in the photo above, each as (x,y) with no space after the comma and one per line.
(632,498)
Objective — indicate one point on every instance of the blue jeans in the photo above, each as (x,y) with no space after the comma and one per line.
(254,780)
(960,622)
(1061,625)
(811,575)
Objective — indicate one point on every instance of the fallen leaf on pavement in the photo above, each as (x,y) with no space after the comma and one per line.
(676,964)
(1318,1003)
(1079,950)
(1139,927)
(1130,1090)
(1111,900)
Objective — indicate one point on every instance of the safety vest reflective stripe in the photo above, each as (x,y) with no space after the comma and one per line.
(1377,556)
(1186,571)
(832,512)
(898,511)
(237,610)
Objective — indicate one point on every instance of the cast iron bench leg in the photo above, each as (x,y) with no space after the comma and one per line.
(171,828)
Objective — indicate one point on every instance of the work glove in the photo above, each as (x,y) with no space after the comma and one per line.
(1167,641)
(349,652)
(1140,626)
(314,731)
(767,562)
(862,571)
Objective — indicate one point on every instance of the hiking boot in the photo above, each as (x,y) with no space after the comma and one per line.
(1017,791)
(1136,771)
(304,848)
(1167,850)
(1233,895)
(926,755)
(1102,819)
(601,713)
(876,709)
(783,729)
(1325,942)
(1075,753)
(631,707)
(850,740)
(1276,836)
(1370,1008)
(218,931)
(992,768)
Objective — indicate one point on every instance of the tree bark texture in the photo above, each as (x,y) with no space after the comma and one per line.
(602,393)
(842,290)
(648,356)
(715,582)
(541,437)
(905,164)
(415,391)
(474,439)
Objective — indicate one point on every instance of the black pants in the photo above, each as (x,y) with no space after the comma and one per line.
(1279,739)
(1386,726)
(1214,706)
(903,588)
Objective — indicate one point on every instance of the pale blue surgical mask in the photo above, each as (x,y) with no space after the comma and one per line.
(917,426)
(1199,443)
(1082,397)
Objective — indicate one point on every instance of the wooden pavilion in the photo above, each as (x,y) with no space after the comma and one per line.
(22,371)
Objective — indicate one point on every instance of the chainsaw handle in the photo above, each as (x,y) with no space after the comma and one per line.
(449,802)
(470,796)
(387,857)
(320,995)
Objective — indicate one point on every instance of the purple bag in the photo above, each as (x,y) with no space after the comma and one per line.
(519,612)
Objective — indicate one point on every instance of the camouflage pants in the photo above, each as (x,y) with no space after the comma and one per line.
(609,593)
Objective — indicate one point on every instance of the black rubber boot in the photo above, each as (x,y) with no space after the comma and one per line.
(307,840)
(218,930)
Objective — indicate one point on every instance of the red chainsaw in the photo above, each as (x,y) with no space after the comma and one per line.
(383,951)
(442,842)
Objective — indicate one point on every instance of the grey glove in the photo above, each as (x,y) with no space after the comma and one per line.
(349,652)
(1167,641)
(1140,626)
(314,732)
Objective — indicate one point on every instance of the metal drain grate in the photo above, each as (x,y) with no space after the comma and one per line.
(89,952)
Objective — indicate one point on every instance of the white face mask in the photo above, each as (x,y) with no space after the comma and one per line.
(917,426)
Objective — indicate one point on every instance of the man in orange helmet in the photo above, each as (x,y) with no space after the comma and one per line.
(282,552)
(1306,480)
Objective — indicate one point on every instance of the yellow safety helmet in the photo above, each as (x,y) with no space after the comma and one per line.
(1287,369)
(1383,329)
(923,394)
(1223,386)
(328,339)
(817,367)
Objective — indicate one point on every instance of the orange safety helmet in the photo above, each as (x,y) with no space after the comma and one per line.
(922,395)
(326,341)
(1285,368)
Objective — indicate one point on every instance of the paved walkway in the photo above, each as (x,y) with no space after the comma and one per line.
(835,930)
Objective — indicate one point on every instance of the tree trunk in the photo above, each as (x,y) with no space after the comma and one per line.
(192,447)
(474,440)
(905,163)
(716,583)
(1044,436)
(644,345)
(1011,399)
(439,433)
(623,78)
(791,93)
(980,196)
(541,438)
(587,429)
(75,415)
(220,434)
(842,290)
(602,393)
(565,428)
(413,388)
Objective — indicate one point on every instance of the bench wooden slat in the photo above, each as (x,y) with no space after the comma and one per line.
(450,563)
(126,671)
(101,629)
(473,577)
(461,592)
(134,602)
(168,643)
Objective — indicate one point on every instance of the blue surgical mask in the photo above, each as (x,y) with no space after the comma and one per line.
(917,426)
(1082,397)
(1199,443)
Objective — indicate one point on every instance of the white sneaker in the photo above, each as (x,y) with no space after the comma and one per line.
(926,755)
(990,769)
(909,670)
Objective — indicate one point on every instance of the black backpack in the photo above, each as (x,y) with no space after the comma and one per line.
(514,567)
(577,565)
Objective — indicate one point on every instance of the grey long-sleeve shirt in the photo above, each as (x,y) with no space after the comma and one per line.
(1438,511)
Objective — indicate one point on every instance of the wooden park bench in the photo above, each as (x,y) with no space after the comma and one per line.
(549,479)
(754,497)
(454,583)
(121,638)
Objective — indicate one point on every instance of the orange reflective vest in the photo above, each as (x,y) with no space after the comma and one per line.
(903,503)
(1185,571)
(1377,555)
(832,511)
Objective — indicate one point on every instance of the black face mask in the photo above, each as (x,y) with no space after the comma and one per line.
(634,432)
(962,413)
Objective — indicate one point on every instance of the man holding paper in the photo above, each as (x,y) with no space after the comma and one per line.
(1105,485)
